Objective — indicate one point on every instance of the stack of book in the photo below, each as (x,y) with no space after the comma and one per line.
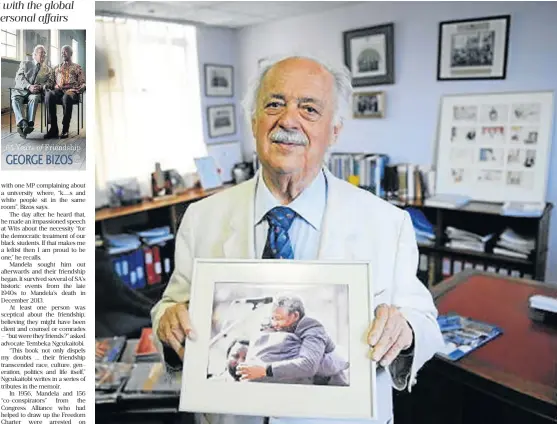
(121,243)
(425,233)
(512,244)
(154,236)
(466,240)
(146,350)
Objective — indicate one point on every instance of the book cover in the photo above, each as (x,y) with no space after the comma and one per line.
(463,335)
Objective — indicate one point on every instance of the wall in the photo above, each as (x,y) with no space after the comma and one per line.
(79,36)
(218,46)
(408,132)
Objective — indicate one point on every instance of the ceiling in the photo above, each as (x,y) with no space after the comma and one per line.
(230,14)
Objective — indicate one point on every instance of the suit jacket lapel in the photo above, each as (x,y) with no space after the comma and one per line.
(239,240)
(339,233)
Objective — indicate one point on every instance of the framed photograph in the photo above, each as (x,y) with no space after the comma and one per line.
(251,318)
(369,105)
(219,80)
(473,48)
(495,147)
(369,54)
(221,120)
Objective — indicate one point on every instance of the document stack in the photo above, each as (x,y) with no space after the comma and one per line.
(158,253)
(466,240)
(425,233)
(514,245)
(127,259)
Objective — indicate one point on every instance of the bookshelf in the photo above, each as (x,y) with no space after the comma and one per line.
(438,262)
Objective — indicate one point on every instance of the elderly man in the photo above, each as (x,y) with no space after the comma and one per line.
(295,208)
(70,81)
(33,78)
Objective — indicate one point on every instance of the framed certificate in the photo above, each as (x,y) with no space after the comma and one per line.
(288,330)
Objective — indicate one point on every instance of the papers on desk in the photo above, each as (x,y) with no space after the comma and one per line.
(464,335)
(153,378)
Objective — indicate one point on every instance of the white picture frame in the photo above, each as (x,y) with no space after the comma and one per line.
(495,147)
(227,278)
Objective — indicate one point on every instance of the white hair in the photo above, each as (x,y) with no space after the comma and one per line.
(67,47)
(37,47)
(342,87)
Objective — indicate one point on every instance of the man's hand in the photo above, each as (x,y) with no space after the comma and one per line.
(174,327)
(388,335)
(34,88)
(251,372)
(57,87)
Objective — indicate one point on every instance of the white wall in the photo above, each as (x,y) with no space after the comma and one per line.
(408,132)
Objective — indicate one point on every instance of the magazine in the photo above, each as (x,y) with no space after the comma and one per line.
(463,335)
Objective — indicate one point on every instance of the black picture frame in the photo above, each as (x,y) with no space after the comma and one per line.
(475,71)
(212,127)
(221,85)
(388,77)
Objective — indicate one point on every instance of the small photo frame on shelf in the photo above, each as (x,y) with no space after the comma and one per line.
(219,80)
(369,105)
(209,175)
(234,304)
(472,49)
(221,120)
(369,54)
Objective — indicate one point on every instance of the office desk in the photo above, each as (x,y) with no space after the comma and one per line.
(139,408)
(512,379)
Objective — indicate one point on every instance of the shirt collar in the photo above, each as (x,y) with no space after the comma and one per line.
(310,204)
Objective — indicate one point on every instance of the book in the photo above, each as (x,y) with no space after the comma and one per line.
(463,335)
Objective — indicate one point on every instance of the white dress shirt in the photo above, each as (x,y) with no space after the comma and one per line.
(305,231)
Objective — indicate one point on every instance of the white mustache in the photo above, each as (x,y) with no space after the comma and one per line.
(292,137)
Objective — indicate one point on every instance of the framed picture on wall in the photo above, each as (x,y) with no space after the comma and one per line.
(495,147)
(243,349)
(369,54)
(221,120)
(219,80)
(473,48)
(369,105)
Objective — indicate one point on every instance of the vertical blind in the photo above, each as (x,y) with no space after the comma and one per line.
(148,101)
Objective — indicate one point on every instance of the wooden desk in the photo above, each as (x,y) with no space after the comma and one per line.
(512,379)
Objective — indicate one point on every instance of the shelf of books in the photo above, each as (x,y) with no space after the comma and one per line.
(453,233)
